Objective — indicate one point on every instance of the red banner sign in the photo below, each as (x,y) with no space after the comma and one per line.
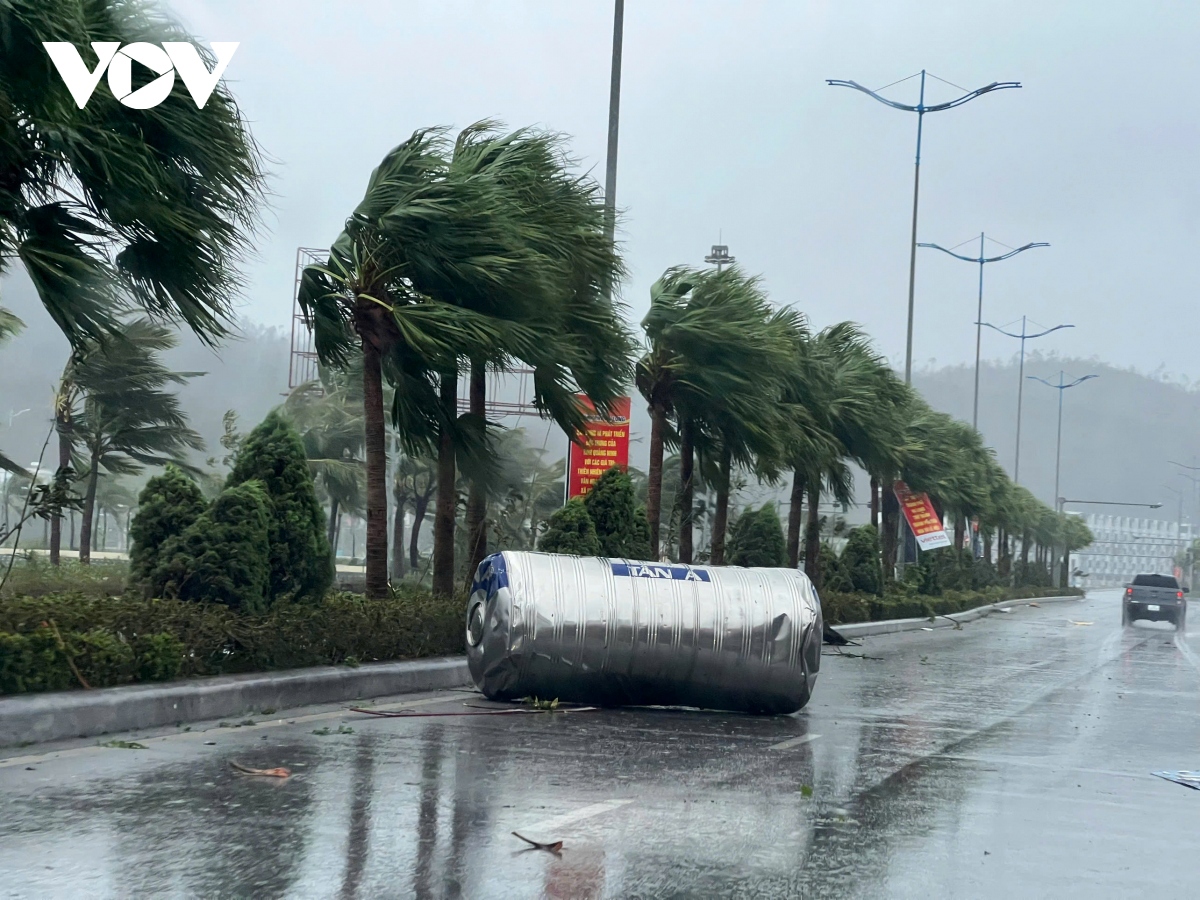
(922,518)
(604,443)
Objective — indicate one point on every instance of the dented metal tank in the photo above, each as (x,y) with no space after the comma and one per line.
(615,632)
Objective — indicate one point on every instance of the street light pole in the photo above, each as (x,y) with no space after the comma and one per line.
(920,109)
(982,261)
(1023,336)
(1061,388)
(614,115)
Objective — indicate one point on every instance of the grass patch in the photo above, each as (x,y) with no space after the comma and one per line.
(33,576)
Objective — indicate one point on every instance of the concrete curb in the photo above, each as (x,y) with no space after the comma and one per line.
(894,626)
(48,717)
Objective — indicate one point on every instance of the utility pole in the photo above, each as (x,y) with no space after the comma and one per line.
(1023,336)
(920,109)
(982,261)
(614,117)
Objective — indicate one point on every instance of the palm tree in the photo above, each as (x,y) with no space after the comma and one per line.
(107,205)
(747,429)
(846,406)
(122,416)
(711,338)
(419,256)
(562,219)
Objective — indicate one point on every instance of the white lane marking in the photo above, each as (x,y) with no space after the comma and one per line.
(196,735)
(1186,651)
(794,742)
(547,826)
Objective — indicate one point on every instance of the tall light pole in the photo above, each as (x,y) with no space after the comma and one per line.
(982,260)
(1023,336)
(614,116)
(1061,387)
(920,109)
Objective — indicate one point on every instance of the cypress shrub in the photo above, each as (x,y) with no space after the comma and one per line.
(835,576)
(168,504)
(757,539)
(224,556)
(570,531)
(301,566)
(610,506)
(860,561)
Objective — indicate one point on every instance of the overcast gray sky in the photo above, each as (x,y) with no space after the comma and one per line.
(727,126)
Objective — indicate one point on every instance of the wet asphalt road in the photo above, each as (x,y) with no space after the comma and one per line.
(1009,759)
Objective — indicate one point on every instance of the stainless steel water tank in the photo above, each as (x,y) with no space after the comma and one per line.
(617,632)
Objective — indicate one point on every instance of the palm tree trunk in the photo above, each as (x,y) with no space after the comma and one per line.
(812,537)
(443,517)
(398,540)
(960,527)
(687,490)
(658,424)
(89,509)
(890,519)
(476,512)
(874,502)
(376,453)
(795,514)
(333,521)
(987,547)
(721,514)
(420,508)
(62,418)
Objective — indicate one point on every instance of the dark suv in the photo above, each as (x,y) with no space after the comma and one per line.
(1155,597)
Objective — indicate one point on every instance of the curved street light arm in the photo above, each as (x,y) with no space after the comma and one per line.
(1182,466)
(1029,337)
(985,259)
(837,82)
(1025,337)
(918,108)
(1013,253)
(970,259)
(1061,387)
(966,98)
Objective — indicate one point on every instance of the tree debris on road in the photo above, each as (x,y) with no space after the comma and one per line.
(278,772)
(554,847)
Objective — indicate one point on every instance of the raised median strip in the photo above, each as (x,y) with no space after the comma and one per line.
(35,718)
(949,620)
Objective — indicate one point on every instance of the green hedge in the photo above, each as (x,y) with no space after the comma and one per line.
(839,608)
(120,640)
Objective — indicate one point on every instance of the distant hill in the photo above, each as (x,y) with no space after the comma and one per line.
(1120,430)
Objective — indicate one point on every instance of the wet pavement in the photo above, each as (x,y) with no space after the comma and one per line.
(1010,758)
